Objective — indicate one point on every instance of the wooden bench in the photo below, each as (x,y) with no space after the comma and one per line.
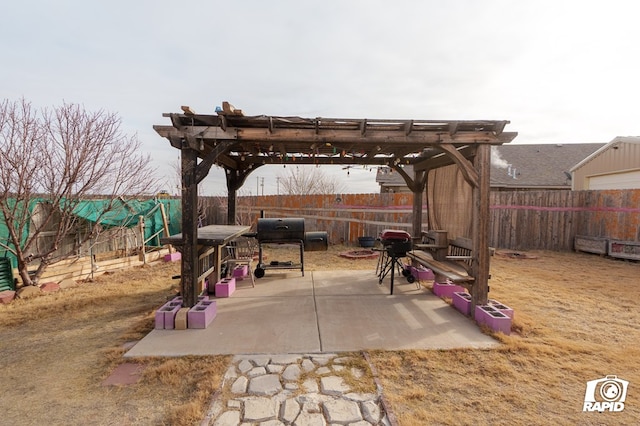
(448,259)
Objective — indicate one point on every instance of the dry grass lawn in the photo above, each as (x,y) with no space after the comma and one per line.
(577,319)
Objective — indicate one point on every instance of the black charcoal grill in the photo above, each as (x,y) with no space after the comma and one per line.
(280,231)
(395,245)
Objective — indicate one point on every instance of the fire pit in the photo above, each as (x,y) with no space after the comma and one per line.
(359,254)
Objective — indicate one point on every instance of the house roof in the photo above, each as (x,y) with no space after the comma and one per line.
(522,166)
(539,165)
(616,141)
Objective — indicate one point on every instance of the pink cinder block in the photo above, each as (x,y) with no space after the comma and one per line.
(172,257)
(462,302)
(240,271)
(165,316)
(421,273)
(446,289)
(202,314)
(492,318)
(501,307)
(225,287)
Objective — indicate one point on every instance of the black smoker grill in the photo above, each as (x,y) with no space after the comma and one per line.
(280,231)
(395,245)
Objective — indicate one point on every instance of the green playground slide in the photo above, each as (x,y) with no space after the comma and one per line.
(7,282)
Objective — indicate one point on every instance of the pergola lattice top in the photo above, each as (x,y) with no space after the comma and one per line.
(251,141)
(240,144)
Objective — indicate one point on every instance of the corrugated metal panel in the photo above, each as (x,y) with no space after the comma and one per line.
(617,157)
(627,180)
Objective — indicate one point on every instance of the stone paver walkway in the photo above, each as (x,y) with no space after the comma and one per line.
(295,389)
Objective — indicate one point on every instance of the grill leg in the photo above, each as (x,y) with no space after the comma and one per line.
(302,257)
(393,270)
(389,263)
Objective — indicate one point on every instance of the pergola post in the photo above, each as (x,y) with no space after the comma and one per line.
(418,189)
(189,259)
(480,226)
(235,180)
(232,203)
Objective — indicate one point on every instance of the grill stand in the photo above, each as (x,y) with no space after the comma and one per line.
(261,268)
(392,251)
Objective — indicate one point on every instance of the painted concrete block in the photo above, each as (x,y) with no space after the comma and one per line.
(240,271)
(225,287)
(501,307)
(165,316)
(462,302)
(421,273)
(492,318)
(173,257)
(202,314)
(446,289)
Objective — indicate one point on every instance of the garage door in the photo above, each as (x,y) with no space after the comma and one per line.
(627,180)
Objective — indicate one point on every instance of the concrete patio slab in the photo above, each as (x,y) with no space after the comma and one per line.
(324,311)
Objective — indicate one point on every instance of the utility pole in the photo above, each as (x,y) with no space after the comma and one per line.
(278,185)
(262,184)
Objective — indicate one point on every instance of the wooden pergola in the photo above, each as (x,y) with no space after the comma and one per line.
(240,144)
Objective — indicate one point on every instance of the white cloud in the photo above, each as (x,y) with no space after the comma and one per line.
(559,71)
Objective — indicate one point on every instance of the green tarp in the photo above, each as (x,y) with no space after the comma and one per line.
(122,213)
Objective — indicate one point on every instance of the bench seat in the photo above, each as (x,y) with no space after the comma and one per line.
(452,269)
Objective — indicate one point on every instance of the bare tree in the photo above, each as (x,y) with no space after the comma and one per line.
(57,158)
(304,180)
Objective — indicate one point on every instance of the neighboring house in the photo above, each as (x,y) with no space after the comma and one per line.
(517,167)
(616,165)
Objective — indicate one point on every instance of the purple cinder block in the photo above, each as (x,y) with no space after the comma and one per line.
(172,257)
(501,307)
(159,320)
(165,316)
(422,273)
(240,271)
(462,302)
(225,287)
(446,289)
(202,314)
(492,318)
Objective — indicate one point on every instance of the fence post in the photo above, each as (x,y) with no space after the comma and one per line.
(143,254)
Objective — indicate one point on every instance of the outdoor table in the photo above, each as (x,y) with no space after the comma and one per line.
(211,241)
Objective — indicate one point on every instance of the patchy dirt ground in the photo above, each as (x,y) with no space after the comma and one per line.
(577,319)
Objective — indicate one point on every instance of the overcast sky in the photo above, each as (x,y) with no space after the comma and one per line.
(560,71)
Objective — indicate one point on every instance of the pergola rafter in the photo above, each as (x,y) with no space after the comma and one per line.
(240,144)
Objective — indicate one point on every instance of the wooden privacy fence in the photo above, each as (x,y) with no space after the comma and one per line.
(345,217)
(549,220)
(520,220)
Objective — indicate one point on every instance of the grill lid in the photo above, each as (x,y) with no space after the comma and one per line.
(280,229)
(395,234)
